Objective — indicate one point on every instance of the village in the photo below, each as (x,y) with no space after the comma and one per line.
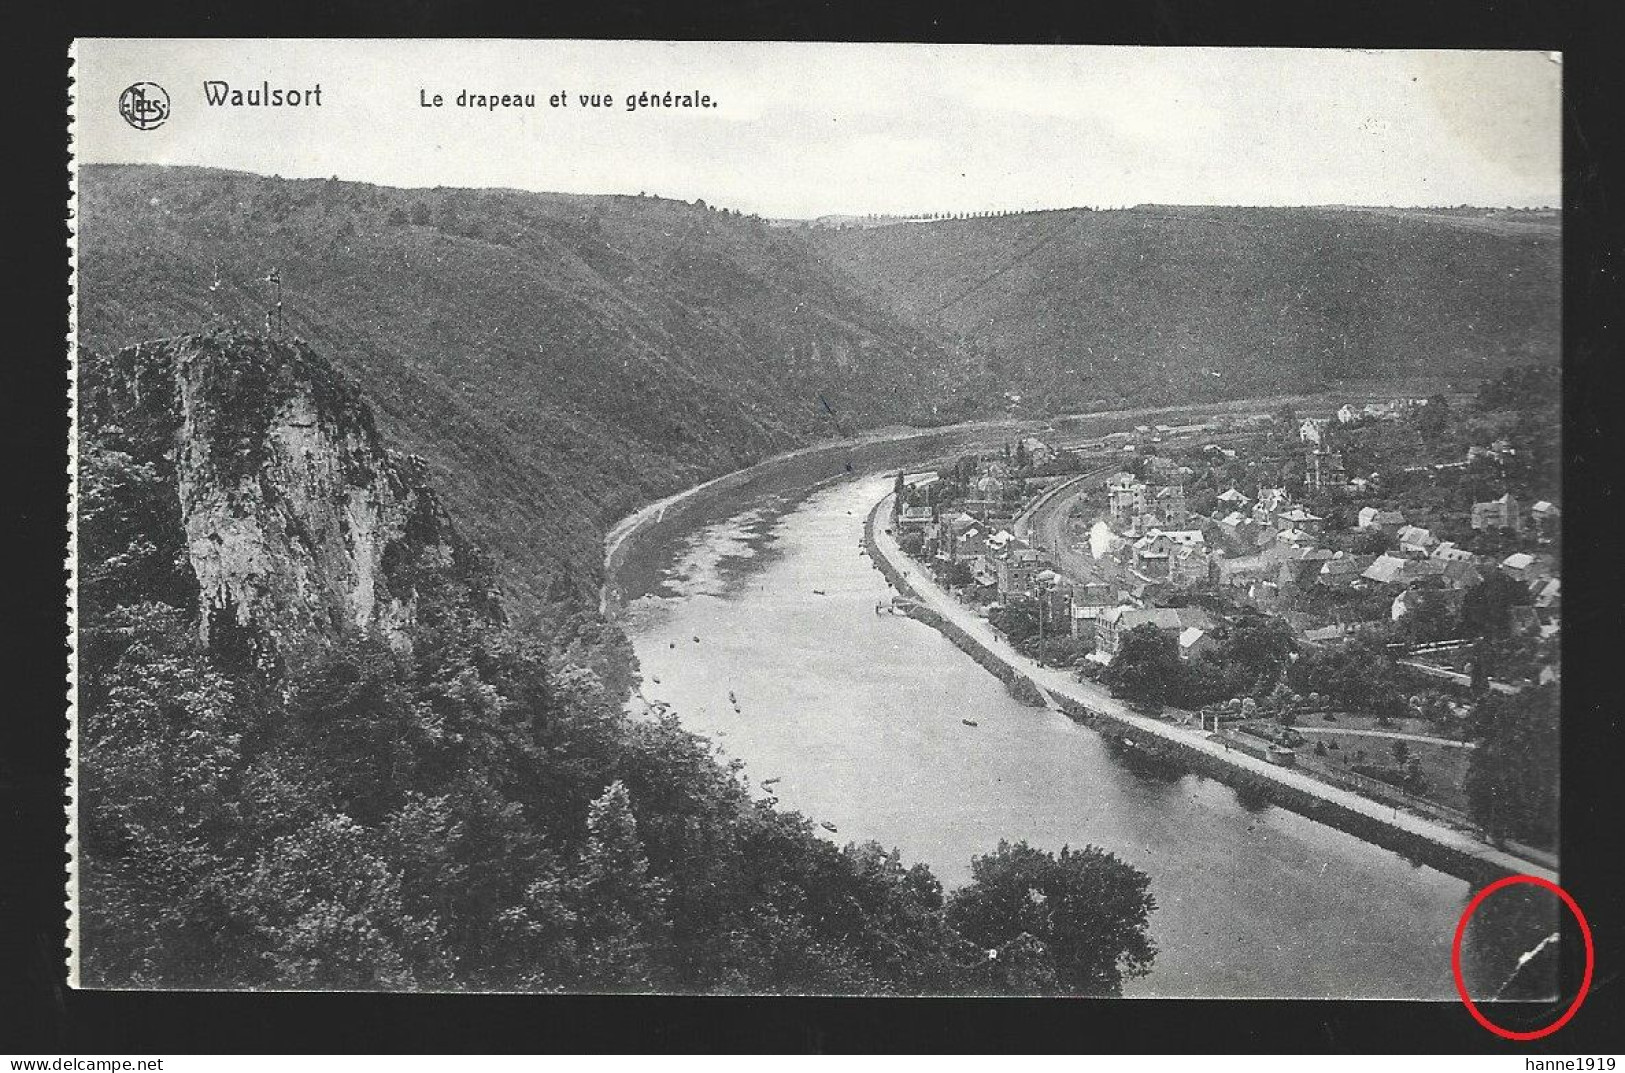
(1359,594)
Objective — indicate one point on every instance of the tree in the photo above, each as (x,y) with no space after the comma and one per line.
(1486,608)
(1427,615)
(1017,619)
(1147,668)
(1524,387)
(1354,677)
(1371,542)
(1081,917)
(1513,774)
(618,901)
(1255,653)
(1433,420)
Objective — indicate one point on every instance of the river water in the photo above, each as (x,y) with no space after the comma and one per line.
(859,717)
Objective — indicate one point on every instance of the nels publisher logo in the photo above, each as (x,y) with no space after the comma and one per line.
(144,105)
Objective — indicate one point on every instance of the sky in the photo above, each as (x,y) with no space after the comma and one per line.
(802,130)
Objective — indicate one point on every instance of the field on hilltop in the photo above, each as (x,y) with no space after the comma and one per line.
(1171,303)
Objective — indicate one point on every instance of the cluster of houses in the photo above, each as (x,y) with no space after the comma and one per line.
(978,531)
(1153,535)
(1136,506)
(978,535)
(1271,547)
(1348,413)
(1422,570)
(1541,519)
(1264,550)
(1317,430)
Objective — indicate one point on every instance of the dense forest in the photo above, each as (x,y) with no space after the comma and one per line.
(1166,303)
(387,786)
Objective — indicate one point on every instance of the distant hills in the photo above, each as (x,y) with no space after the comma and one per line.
(557,360)
(1171,303)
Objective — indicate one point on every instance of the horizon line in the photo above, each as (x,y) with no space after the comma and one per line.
(935,216)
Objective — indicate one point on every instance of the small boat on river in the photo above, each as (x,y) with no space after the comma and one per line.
(820,592)
(830,827)
(970,722)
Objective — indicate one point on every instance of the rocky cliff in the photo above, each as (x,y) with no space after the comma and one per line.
(298,525)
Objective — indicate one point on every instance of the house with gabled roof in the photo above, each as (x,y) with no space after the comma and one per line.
(1386,569)
(1519,565)
(1325,469)
(1451,552)
(1502,513)
(1018,567)
(1193,641)
(914,519)
(1342,571)
(1379,518)
(1415,540)
(1270,502)
(1000,541)
(1459,575)
(1192,564)
(1170,504)
(1114,623)
(1301,567)
(1127,498)
(1546,517)
(968,545)
(1300,519)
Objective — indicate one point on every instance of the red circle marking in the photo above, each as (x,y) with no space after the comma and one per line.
(1461,982)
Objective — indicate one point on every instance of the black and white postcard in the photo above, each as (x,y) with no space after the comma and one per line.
(816,519)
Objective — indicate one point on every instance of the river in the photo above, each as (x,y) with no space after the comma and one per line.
(859,717)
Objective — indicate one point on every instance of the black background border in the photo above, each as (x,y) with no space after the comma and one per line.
(39,1012)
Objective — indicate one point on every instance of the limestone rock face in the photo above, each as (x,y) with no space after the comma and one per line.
(299,524)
